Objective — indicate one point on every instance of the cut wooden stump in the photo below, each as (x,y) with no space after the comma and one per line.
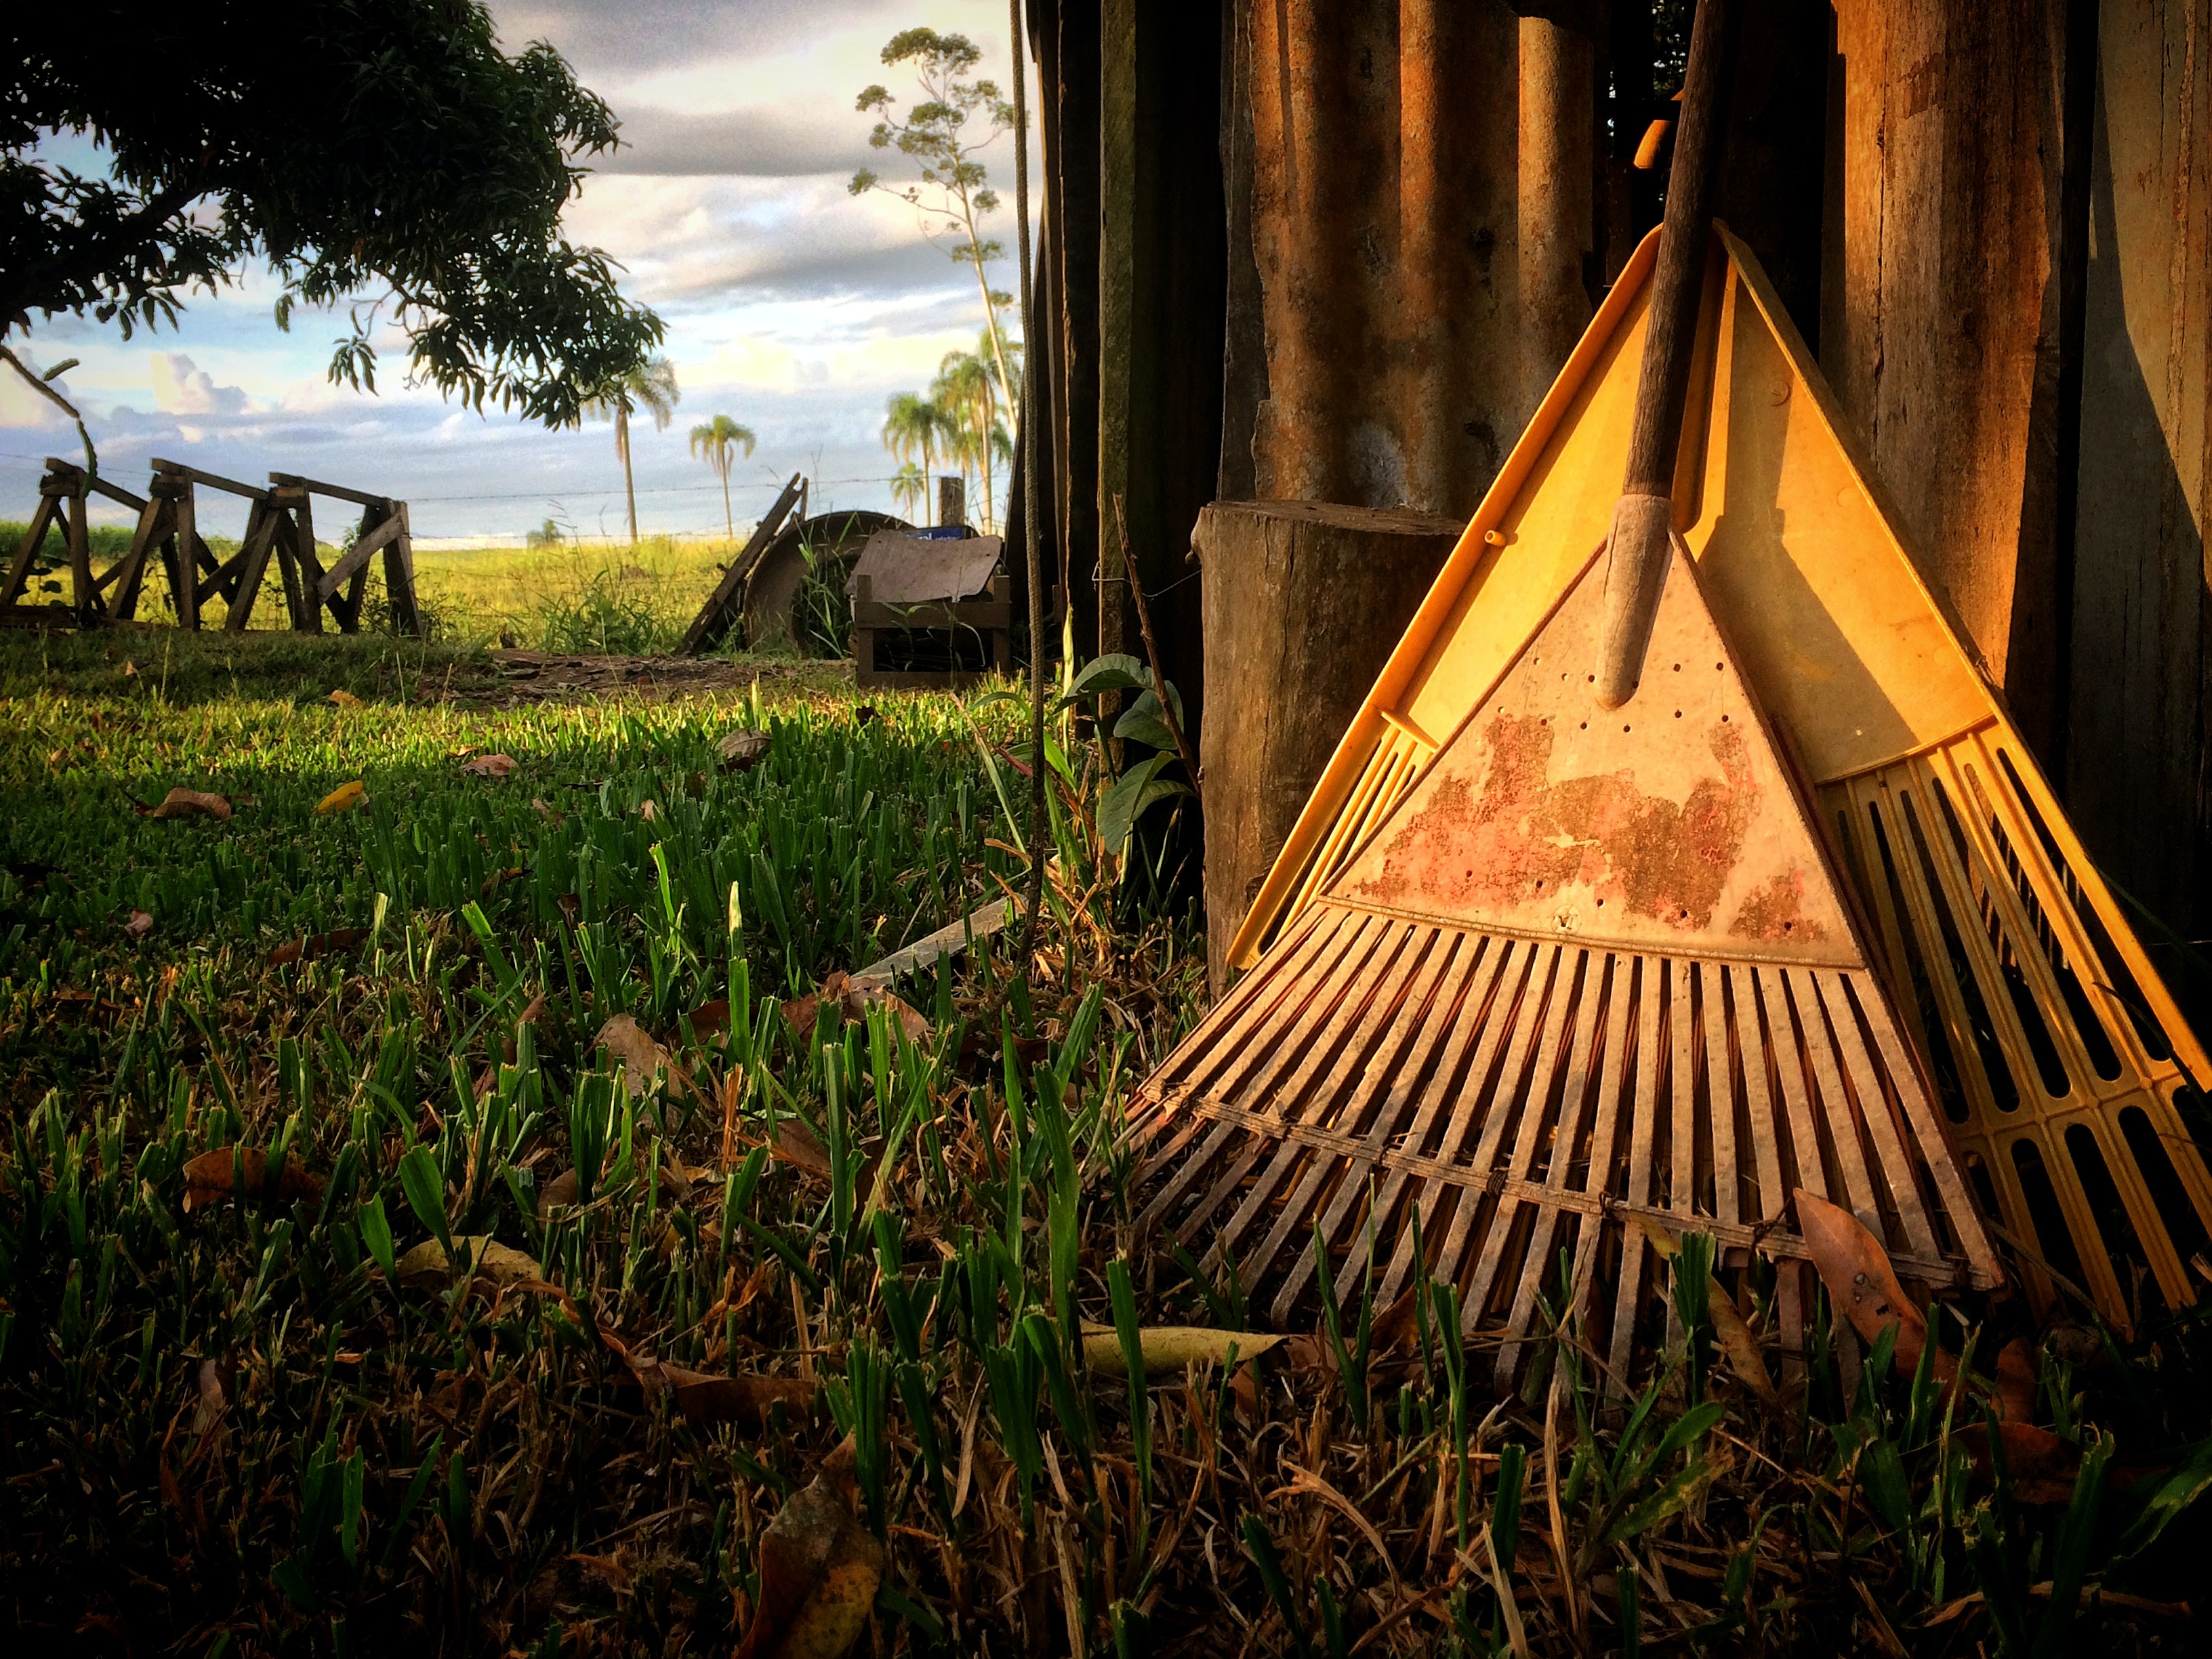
(1303,601)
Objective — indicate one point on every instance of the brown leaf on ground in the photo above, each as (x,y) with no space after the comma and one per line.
(648,811)
(181,803)
(819,1571)
(140,924)
(498,767)
(2042,1467)
(317,945)
(2015,1396)
(707,1399)
(851,999)
(708,1020)
(212,1399)
(501,1264)
(344,798)
(639,1056)
(1862,1284)
(742,751)
(345,699)
(797,1145)
(210,1177)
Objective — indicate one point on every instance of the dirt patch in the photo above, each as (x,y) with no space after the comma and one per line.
(510,679)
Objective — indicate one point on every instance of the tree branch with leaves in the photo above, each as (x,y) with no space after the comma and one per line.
(951,197)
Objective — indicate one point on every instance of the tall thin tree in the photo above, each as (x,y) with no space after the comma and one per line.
(719,440)
(650,387)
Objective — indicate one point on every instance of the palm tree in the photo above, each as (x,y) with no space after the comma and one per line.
(914,426)
(910,490)
(718,440)
(967,390)
(652,386)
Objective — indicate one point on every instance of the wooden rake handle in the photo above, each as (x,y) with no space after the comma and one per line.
(1637,556)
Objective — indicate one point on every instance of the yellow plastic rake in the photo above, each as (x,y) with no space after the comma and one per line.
(2056,1053)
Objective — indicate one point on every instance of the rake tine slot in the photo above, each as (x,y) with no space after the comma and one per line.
(1720,1093)
(1432,1029)
(1642,1117)
(1495,1020)
(1379,1074)
(1320,1103)
(1834,1106)
(1877,1113)
(1303,1052)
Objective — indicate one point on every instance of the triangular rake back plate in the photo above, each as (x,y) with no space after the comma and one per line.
(2060,1060)
(1591,968)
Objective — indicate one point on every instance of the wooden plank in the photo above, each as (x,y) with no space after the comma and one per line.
(720,614)
(252,562)
(98,485)
(84,593)
(154,520)
(357,560)
(212,480)
(310,620)
(399,576)
(287,484)
(287,565)
(2140,706)
(34,535)
(981,615)
(184,571)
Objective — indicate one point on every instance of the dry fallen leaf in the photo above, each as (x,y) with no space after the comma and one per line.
(819,1571)
(1862,1284)
(1170,1347)
(556,819)
(853,998)
(796,1143)
(1737,1343)
(497,767)
(499,1263)
(344,798)
(706,1399)
(317,945)
(140,924)
(2041,1466)
(187,804)
(345,699)
(649,811)
(742,751)
(639,1056)
(216,1378)
(211,1176)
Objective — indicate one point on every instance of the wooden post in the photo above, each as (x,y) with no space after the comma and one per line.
(261,527)
(311,567)
(184,568)
(1302,602)
(83,595)
(1558,219)
(19,572)
(399,577)
(154,521)
(863,636)
(951,501)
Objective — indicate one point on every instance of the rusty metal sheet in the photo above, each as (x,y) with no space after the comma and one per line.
(1666,824)
(904,570)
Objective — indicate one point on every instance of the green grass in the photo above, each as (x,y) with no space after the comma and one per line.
(632,601)
(600,600)
(237,1427)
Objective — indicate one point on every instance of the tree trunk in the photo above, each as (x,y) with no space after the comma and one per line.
(1302,602)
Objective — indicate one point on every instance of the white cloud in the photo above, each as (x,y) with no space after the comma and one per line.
(181,387)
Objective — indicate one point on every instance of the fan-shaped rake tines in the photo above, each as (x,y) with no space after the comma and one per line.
(1539,1005)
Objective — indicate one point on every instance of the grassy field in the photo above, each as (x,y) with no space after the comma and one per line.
(464,1218)
(572,597)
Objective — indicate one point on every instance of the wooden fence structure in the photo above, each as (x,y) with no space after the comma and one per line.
(280,522)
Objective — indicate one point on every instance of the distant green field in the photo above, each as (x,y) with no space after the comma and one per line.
(629,600)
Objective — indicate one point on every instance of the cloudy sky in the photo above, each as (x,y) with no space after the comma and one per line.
(791,307)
